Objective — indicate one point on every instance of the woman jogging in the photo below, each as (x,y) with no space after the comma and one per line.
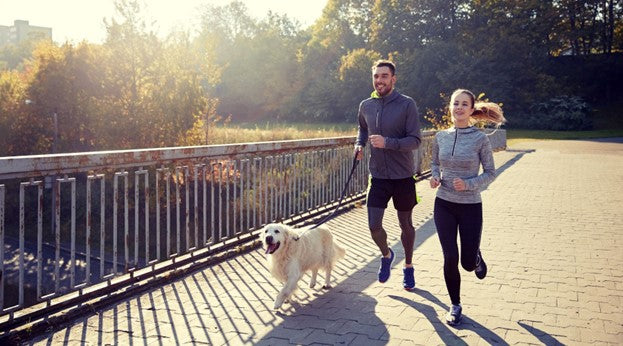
(457,156)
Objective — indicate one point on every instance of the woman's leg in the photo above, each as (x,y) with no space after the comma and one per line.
(446,224)
(470,230)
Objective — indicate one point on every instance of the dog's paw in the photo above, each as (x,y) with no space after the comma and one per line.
(278,302)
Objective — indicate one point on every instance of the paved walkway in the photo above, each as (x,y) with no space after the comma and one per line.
(553,240)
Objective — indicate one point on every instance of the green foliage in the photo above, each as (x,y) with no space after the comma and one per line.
(561,113)
(138,90)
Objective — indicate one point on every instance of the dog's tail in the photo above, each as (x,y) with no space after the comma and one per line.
(339,251)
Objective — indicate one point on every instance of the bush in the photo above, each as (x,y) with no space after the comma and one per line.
(561,113)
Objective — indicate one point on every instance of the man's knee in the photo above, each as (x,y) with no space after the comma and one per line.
(405,221)
(375,219)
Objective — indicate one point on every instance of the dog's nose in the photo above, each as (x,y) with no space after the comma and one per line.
(269,239)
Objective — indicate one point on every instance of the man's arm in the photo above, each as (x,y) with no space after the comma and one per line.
(414,137)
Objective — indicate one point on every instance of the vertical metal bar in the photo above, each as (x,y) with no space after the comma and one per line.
(177,207)
(241,202)
(267,196)
(39,232)
(284,182)
(309,181)
(227,173)
(325,183)
(291,184)
(126,216)
(89,220)
(146,192)
(102,223)
(220,200)
(136,222)
(333,180)
(296,190)
(234,227)
(204,179)
(115,221)
(196,205)
(57,216)
(72,279)
(248,194)
(270,184)
(21,243)
(256,192)
(187,208)
(168,182)
(39,244)
(158,213)
(212,199)
(2,197)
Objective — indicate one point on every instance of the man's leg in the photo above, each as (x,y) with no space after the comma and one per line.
(375,222)
(407,235)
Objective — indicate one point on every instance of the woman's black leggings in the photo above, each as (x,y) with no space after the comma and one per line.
(467,219)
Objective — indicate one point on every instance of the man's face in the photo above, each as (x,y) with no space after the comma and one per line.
(383,80)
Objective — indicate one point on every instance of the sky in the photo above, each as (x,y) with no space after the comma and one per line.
(77,20)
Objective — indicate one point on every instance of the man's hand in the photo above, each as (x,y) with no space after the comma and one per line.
(377,141)
(358,152)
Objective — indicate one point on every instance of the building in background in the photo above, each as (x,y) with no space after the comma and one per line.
(22,31)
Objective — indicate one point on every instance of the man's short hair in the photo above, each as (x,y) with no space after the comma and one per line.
(386,63)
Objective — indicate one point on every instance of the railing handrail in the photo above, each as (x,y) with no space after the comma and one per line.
(37,165)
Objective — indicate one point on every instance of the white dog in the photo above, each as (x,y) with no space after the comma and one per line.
(291,253)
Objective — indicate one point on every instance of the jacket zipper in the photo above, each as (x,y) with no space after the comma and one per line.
(378,113)
(456,134)
(381,133)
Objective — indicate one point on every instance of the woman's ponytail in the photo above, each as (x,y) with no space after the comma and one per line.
(489,112)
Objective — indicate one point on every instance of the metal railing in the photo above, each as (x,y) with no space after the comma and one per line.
(74,221)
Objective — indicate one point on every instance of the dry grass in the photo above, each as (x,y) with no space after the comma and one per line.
(240,134)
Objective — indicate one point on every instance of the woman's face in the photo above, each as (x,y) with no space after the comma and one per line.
(461,108)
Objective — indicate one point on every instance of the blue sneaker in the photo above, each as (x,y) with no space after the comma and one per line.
(386,265)
(408,282)
(455,315)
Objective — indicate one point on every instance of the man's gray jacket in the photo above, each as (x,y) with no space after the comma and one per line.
(395,117)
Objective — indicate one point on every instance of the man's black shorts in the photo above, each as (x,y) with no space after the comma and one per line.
(401,191)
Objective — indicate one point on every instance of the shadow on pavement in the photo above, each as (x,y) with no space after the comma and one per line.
(440,326)
(543,337)
(512,161)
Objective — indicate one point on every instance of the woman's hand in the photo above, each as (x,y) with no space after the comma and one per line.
(435,182)
(459,184)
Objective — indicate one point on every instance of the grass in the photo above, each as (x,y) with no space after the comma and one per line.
(518,136)
(245,133)
(608,124)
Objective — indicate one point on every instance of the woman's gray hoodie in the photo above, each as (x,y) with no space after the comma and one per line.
(459,152)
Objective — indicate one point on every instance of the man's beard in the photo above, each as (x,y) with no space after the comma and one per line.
(383,89)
